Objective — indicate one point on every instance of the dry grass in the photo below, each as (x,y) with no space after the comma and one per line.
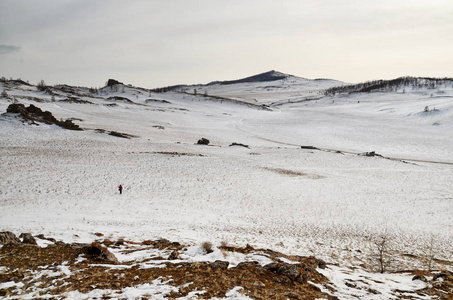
(293,173)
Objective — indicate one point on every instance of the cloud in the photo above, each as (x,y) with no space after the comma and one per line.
(5,49)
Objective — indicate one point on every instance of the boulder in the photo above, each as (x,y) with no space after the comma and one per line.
(220,265)
(370,154)
(174,255)
(27,238)
(203,141)
(293,271)
(96,250)
(17,108)
(7,237)
(112,82)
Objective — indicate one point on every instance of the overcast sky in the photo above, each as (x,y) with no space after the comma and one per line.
(157,43)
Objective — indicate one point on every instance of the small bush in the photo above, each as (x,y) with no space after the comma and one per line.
(41,86)
(207,247)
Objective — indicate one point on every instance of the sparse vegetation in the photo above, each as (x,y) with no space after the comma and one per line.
(41,86)
(207,247)
(381,251)
(393,85)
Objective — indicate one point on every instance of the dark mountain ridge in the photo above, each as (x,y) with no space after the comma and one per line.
(262,77)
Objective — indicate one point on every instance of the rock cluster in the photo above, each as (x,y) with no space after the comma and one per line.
(35,114)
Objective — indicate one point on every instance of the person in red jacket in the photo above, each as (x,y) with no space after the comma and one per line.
(120,188)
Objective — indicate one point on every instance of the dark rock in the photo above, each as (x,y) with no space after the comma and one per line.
(220,264)
(27,238)
(119,242)
(33,113)
(248,264)
(98,251)
(291,271)
(239,144)
(17,108)
(112,82)
(174,255)
(419,277)
(7,237)
(162,244)
(440,275)
(119,134)
(370,154)
(118,98)
(309,147)
(203,141)
(314,262)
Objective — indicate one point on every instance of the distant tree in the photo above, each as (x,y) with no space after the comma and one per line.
(194,91)
(4,94)
(41,85)
(382,252)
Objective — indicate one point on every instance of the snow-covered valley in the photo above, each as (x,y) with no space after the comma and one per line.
(270,190)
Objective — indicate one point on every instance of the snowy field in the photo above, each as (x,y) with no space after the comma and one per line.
(331,203)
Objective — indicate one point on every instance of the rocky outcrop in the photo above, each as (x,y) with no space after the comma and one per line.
(96,250)
(370,154)
(292,271)
(112,82)
(203,141)
(27,238)
(8,237)
(35,114)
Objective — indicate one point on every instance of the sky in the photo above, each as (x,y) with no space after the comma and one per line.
(159,43)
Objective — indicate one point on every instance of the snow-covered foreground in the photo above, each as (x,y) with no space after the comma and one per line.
(325,203)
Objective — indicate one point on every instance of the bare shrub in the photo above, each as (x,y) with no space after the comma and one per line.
(41,86)
(381,251)
(207,247)
(429,252)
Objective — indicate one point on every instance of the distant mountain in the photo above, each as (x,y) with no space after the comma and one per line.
(267,76)
(263,77)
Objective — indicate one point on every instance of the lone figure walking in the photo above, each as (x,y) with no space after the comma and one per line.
(120,188)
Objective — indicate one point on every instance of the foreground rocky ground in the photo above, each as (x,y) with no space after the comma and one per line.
(40,267)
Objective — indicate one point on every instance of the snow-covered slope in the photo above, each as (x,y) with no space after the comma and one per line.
(269,88)
(331,202)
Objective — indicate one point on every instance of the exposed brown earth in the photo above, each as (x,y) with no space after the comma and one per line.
(274,281)
(61,268)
